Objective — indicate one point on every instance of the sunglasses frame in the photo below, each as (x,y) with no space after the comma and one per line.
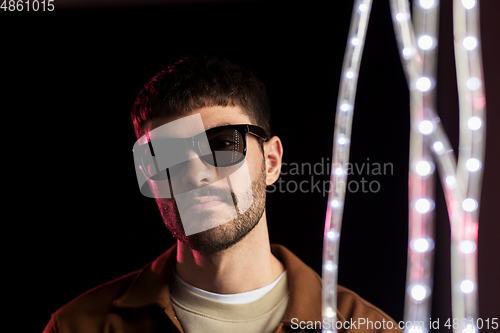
(194,142)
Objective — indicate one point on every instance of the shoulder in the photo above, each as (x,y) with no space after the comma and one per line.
(95,303)
(351,305)
(305,287)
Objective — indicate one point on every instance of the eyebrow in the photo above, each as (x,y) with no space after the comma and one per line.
(224,123)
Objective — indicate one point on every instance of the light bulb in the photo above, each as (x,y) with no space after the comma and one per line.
(363,7)
(473,83)
(470,43)
(332,234)
(354,41)
(342,140)
(329,312)
(402,16)
(450,180)
(426,42)
(467,286)
(329,265)
(421,245)
(339,171)
(426,4)
(349,74)
(474,123)
(469,329)
(426,127)
(467,246)
(335,203)
(473,164)
(407,52)
(418,292)
(423,206)
(423,84)
(415,330)
(469,205)
(345,107)
(423,168)
(468,4)
(438,146)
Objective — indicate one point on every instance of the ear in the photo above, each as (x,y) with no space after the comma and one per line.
(273,153)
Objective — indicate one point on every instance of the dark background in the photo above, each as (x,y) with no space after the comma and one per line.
(69,80)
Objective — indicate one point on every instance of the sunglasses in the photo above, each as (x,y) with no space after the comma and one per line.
(221,146)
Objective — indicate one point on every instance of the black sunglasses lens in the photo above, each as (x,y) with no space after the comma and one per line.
(226,147)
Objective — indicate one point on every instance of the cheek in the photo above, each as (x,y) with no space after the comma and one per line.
(160,189)
(256,162)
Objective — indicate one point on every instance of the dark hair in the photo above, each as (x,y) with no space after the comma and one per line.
(196,82)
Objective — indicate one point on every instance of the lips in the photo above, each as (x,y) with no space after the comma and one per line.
(201,203)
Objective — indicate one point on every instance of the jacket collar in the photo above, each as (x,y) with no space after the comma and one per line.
(151,287)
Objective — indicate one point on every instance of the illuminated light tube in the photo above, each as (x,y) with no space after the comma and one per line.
(463,179)
(340,156)
(426,137)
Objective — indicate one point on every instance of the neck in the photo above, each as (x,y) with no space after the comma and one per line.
(246,266)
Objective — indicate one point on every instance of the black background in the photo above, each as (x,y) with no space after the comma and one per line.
(69,80)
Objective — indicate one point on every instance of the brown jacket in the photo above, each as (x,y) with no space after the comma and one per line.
(139,302)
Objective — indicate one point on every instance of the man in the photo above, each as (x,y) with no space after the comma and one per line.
(204,153)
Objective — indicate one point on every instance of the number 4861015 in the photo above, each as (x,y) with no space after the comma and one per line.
(27,5)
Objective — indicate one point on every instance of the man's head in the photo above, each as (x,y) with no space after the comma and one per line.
(229,200)
(196,82)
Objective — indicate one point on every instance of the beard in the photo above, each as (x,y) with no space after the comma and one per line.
(225,235)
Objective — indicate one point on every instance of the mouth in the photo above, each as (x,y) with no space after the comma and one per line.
(201,203)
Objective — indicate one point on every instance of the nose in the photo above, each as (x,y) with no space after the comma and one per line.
(197,172)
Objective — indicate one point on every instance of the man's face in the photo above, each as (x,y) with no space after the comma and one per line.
(202,192)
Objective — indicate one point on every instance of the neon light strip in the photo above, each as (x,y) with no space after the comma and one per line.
(340,157)
(469,168)
(463,210)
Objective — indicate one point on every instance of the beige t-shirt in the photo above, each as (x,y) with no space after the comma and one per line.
(200,314)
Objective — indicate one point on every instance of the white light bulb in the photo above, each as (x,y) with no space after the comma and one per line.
(332,234)
(450,180)
(415,330)
(467,286)
(468,4)
(354,41)
(469,329)
(329,265)
(363,7)
(423,84)
(467,246)
(329,312)
(469,205)
(438,146)
(402,16)
(421,245)
(342,140)
(345,107)
(349,74)
(425,42)
(418,292)
(470,43)
(339,171)
(423,206)
(408,52)
(473,164)
(426,4)
(474,123)
(473,83)
(426,127)
(335,203)
(423,168)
